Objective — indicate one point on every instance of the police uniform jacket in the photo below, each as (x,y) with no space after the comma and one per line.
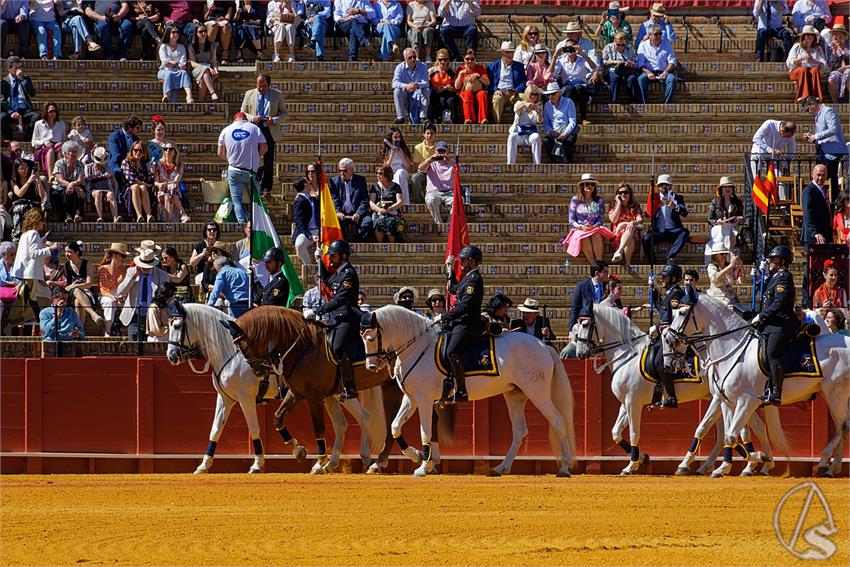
(777,310)
(469,294)
(342,307)
(671,301)
(276,292)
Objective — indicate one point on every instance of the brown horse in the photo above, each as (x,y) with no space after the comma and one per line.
(279,340)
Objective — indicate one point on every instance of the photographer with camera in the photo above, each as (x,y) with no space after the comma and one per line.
(439,184)
(613,22)
(560,126)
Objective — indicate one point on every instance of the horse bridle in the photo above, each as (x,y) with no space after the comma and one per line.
(184,352)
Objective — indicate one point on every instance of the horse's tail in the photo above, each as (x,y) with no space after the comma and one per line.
(562,397)
(775,431)
(373,401)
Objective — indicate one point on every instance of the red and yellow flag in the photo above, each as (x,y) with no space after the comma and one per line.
(328,221)
(761,197)
(769,184)
(458,231)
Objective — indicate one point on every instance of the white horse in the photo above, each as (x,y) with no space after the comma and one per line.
(621,342)
(528,369)
(197,331)
(735,376)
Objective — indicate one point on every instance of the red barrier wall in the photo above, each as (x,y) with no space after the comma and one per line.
(146,406)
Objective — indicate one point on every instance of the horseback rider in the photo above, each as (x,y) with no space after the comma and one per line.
(777,320)
(671,275)
(343,315)
(277,290)
(464,318)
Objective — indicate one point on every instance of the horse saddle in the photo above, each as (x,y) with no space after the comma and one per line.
(356,351)
(691,375)
(478,360)
(799,358)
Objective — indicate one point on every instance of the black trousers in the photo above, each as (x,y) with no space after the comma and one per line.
(342,336)
(832,170)
(268,161)
(776,339)
(569,145)
(459,339)
(28,118)
(678,236)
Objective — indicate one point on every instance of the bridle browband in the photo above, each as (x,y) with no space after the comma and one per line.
(184,352)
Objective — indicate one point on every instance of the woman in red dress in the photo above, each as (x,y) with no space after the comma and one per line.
(626,222)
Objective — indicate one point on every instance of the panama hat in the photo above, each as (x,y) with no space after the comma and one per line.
(100,155)
(530,305)
(658,9)
(434,293)
(552,88)
(665,179)
(148,245)
(573,27)
(616,6)
(118,248)
(541,48)
(221,247)
(146,258)
(507,46)
(841,28)
(405,289)
(809,30)
(725,180)
(718,248)
(588,178)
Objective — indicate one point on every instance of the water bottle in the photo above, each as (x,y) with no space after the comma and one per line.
(467,196)
(224,174)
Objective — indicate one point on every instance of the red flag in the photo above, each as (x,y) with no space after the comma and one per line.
(770,186)
(653,202)
(458,231)
(328,222)
(760,195)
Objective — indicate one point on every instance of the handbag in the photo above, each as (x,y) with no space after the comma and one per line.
(526,130)
(8,294)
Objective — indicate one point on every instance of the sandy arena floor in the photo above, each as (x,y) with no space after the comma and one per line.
(359,520)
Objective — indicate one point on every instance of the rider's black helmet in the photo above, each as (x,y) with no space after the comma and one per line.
(672,270)
(339,247)
(273,255)
(783,252)
(471,253)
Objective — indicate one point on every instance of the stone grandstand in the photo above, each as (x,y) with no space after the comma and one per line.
(518,213)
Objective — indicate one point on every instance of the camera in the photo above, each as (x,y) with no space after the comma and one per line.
(569,49)
(439,157)
(615,13)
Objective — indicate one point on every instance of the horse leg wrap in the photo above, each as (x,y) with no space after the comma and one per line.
(426,453)
(402,444)
(741,450)
(694,445)
(258,446)
(727,454)
(625,446)
(749,447)
(285,434)
(321,447)
(211,447)
(635,453)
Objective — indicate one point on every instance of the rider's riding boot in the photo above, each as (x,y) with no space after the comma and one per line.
(671,401)
(448,386)
(775,398)
(460,379)
(349,390)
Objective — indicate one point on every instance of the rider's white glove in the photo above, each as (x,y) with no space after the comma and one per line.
(449,263)
(309,314)
(653,331)
(764,265)
(650,282)
(318,254)
(438,318)
(756,319)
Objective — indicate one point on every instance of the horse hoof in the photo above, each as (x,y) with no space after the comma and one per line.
(563,474)
(201,470)
(317,469)
(716,474)
(765,458)
(374,468)
(419,473)
(626,472)
(494,472)
(300,454)
(644,459)
(745,472)
(683,471)
(825,472)
(255,470)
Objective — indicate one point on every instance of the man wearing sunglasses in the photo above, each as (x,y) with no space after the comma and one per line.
(411,89)
(657,63)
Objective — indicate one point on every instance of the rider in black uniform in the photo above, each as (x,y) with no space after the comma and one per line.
(777,321)
(277,290)
(671,275)
(464,319)
(343,315)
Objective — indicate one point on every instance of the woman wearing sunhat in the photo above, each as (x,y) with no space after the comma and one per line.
(110,274)
(436,303)
(101,181)
(724,272)
(838,62)
(586,221)
(725,215)
(806,61)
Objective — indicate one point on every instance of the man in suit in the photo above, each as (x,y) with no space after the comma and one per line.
(817,219)
(265,107)
(828,138)
(138,288)
(507,80)
(119,144)
(351,201)
(589,291)
(532,322)
(17,95)
(305,216)
(667,222)
(277,290)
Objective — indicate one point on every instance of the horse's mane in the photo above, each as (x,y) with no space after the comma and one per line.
(731,320)
(395,321)
(205,330)
(268,324)
(624,326)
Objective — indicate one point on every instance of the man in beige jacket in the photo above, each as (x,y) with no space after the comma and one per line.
(266,108)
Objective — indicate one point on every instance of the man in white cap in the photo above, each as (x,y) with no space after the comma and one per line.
(507,80)
(531,322)
(559,125)
(439,180)
(658,17)
(138,287)
(459,21)
(667,222)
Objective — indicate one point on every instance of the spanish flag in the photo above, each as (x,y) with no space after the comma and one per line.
(769,184)
(458,232)
(761,197)
(328,222)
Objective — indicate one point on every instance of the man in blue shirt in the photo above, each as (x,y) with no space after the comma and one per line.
(459,21)
(14,17)
(58,322)
(657,17)
(769,14)
(657,61)
(316,15)
(559,125)
(411,89)
(232,283)
(352,18)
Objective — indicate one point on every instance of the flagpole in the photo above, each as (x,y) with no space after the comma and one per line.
(652,250)
(320,180)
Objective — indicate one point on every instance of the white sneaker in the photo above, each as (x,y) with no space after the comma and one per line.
(291,59)
(276,59)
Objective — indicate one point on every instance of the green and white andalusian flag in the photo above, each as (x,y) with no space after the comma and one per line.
(264,236)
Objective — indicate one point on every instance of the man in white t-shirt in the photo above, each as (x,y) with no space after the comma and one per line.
(242,144)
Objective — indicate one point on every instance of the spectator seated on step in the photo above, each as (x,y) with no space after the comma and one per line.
(411,89)
(439,184)
(459,21)
(657,62)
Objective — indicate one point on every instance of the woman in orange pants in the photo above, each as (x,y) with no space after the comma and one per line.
(472,82)
(806,61)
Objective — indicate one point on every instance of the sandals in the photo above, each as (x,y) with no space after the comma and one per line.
(69,220)
(99,219)
(140,219)
(214,97)
(184,218)
(119,218)
(78,218)
(150,218)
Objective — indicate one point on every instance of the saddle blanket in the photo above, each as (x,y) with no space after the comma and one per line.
(478,360)
(356,351)
(692,375)
(799,359)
